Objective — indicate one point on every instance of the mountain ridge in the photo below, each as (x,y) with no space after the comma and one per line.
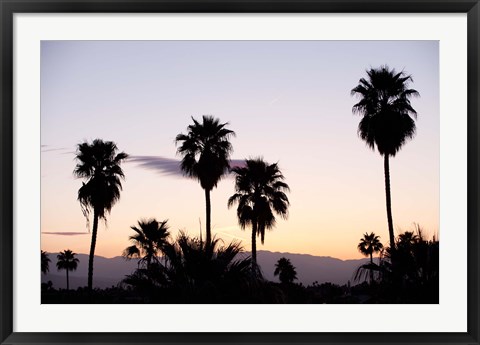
(110,271)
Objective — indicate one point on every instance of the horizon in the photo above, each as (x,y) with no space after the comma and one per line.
(242,252)
(142,94)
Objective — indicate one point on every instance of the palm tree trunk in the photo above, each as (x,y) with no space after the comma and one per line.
(208,210)
(371,268)
(92,250)
(389,202)
(68,287)
(254,246)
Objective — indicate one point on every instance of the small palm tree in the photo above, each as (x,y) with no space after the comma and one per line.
(206,153)
(369,245)
(99,164)
(149,241)
(67,261)
(408,239)
(260,192)
(45,262)
(285,270)
(387,119)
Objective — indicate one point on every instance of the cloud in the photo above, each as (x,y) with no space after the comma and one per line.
(48,148)
(162,165)
(64,233)
(59,149)
(167,166)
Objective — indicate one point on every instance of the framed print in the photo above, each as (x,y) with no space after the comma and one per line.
(244,172)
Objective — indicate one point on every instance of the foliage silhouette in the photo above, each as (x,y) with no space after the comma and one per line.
(259,193)
(67,261)
(369,245)
(99,164)
(414,278)
(387,118)
(206,153)
(149,241)
(195,272)
(45,261)
(285,271)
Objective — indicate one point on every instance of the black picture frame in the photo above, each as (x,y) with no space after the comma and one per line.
(7,10)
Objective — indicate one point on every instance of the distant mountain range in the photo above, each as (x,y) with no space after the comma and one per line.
(110,271)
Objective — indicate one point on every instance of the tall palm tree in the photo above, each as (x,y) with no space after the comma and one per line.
(67,261)
(285,271)
(99,164)
(387,119)
(148,241)
(45,261)
(206,153)
(369,245)
(259,192)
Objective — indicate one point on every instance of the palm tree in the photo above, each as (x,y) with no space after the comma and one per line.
(195,272)
(260,192)
(369,245)
(149,241)
(45,261)
(387,119)
(207,270)
(99,164)
(285,270)
(67,261)
(206,153)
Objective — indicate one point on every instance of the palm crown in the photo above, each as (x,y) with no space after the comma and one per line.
(388,117)
(149,241)
(370,244)
(45,262)
(285,270)
(99,164)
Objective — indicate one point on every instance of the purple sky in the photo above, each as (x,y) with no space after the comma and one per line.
(288,101)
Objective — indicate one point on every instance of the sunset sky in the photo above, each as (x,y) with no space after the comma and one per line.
(288,102)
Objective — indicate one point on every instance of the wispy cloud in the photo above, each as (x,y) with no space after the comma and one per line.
(162,165)
(273,101)
(167,166)
(48,148)
(64,233)
(225,230)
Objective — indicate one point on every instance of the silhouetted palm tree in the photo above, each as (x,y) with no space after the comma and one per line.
(99,164)
(369,245)
(206,153)
(149,241)
(388,118)
(45,261)
(285,270)
(67,261)
(196,264)
(414,277)
(195,271)
(260,192)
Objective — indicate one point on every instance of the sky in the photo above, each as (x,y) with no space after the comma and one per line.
(287,101)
